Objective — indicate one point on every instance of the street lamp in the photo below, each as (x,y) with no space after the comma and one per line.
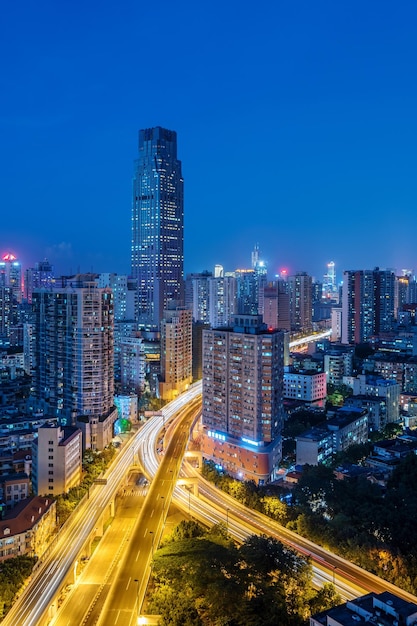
(227,520)
(153,537)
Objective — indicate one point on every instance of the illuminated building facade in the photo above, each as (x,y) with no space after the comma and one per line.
(132,365)
(300,292)
(329,281)
(176,352)
(157,255)
(276,305)
(11,275)
(10,298)
(222,300)
(56,460)
(242,398)
(39,277)
(197,295)
(368,304)
(74,356)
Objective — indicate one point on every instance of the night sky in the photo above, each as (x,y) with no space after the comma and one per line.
(296,122)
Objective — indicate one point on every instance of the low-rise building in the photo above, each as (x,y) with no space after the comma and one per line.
(370,385)
(28,528)
(13,489)
(314,446)
(387,455)
(97,430)
(384,608)
(57,460)
(309,386)
(348,426)
(376,407)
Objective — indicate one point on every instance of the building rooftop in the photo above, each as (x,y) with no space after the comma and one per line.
(384,609)
(24,516)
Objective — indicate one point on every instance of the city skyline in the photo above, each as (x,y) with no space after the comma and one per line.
(299,116)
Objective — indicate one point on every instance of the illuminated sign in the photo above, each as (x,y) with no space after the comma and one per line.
(215,435)
(251,442)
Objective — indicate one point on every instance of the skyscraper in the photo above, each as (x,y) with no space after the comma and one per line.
(11,275)
(157,254)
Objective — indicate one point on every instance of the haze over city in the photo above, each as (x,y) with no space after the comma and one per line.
(296,130)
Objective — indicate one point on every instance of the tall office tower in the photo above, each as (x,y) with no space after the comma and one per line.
(277,305)
(39,277)
(329,281)
(367,304)
(197,295)
(157,254)
(222,300)
(176,352)
(261,279)
(74,356)
(242,398)
(11,275)
(300,291)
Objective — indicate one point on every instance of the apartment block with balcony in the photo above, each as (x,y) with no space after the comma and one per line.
(242,398)
(28,528)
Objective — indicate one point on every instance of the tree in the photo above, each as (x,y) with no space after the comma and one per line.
(324,599)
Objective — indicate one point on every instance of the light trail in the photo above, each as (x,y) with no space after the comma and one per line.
(309,338)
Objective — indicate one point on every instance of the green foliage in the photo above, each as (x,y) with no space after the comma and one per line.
(186,530)
(325,598)
(337,394)
(13,573)
(301,421)
(353,517)
(354,454)
(94,464)
(391,430)
(208,580)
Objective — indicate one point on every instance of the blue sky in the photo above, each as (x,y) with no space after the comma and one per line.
(296,128)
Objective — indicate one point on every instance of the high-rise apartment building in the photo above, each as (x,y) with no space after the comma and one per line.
(132,365)
(242,398)
(176,352)
(276,299)
(157,255)
(222,300)
(368,304)
(300,291)
(74,356)
(197,295)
